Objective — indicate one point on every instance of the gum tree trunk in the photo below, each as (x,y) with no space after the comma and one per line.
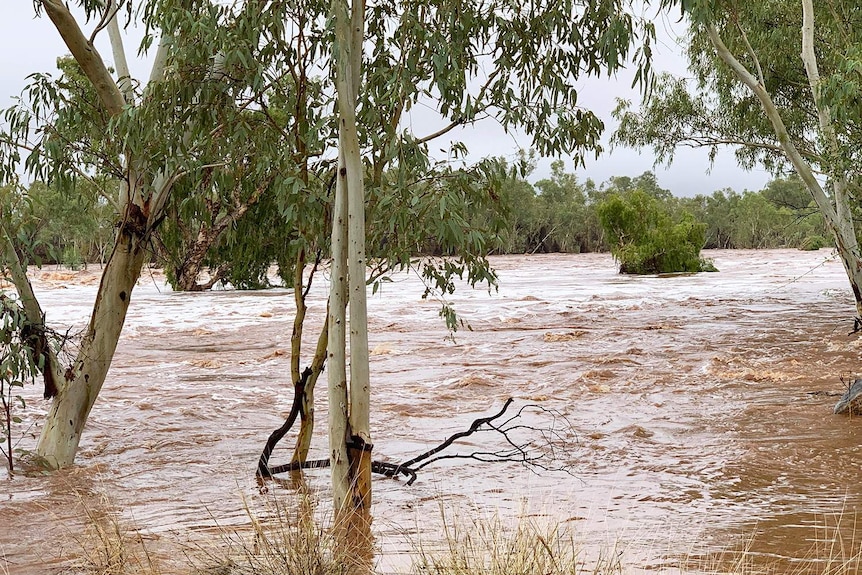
(141,204)
(65,422)
(351,491)
(336,354)
(837,215)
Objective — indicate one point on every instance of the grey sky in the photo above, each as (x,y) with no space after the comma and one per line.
(31,44)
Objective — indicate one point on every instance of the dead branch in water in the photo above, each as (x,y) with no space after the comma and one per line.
(263,468)
(535,447)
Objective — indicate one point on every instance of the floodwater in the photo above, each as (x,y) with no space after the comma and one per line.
(694,411)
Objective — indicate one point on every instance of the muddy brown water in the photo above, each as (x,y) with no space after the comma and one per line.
(700,408)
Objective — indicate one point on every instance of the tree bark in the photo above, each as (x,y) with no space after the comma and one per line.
(186,274)
(306,413)
(58,442)
(845,235)
(353,508)
(124,77)
(86,55)
(141,204)
(336,352)
(52,372)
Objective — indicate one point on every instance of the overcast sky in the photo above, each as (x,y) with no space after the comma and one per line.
(31,44)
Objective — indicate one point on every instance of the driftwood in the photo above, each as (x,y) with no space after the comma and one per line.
(519,438)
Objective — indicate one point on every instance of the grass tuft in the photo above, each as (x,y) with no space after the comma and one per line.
(278,541)
(491,547)
(285,536)
(110,547)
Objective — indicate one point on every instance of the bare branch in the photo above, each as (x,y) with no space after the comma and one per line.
(535,447)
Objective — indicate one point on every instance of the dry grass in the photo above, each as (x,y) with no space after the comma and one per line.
(279,540)
(287,538)
(494,547)
(835,550)
(109,546)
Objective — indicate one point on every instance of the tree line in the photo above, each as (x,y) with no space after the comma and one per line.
(558,214)
(561,214)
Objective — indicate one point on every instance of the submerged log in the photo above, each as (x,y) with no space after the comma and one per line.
(851,402)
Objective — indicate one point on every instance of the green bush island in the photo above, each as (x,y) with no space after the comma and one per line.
(646,238)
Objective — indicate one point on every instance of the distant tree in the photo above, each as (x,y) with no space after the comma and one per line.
(522,222)
(646,182)
(790,192)
(564,212)
(715,210)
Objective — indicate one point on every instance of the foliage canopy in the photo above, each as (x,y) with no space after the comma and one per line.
(645,239)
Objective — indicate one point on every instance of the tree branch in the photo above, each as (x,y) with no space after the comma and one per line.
(453,438)
(124,77)
(802,167)
(535,455)
(86,55)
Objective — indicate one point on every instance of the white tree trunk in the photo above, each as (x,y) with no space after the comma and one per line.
(61,434)
(336,346)
(355,508)
(845,227)
(837,215)
(81,383)
(124,78)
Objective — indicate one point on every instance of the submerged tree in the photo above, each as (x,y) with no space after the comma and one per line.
(645,238)
(139,203)
(779,103)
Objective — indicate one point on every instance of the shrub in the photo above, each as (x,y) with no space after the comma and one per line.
(812,243)
(17,367)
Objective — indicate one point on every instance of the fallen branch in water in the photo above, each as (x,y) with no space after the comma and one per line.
(520,439)
(263,468)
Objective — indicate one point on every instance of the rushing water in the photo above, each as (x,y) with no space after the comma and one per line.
(700,406)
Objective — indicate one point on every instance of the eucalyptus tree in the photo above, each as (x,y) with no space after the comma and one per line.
(648,237)
(139,204)
(536,50)
(778,82)
(468,62)
(147,137)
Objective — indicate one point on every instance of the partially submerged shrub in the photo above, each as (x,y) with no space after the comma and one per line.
(813,243)
(107,545)
(18,366)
